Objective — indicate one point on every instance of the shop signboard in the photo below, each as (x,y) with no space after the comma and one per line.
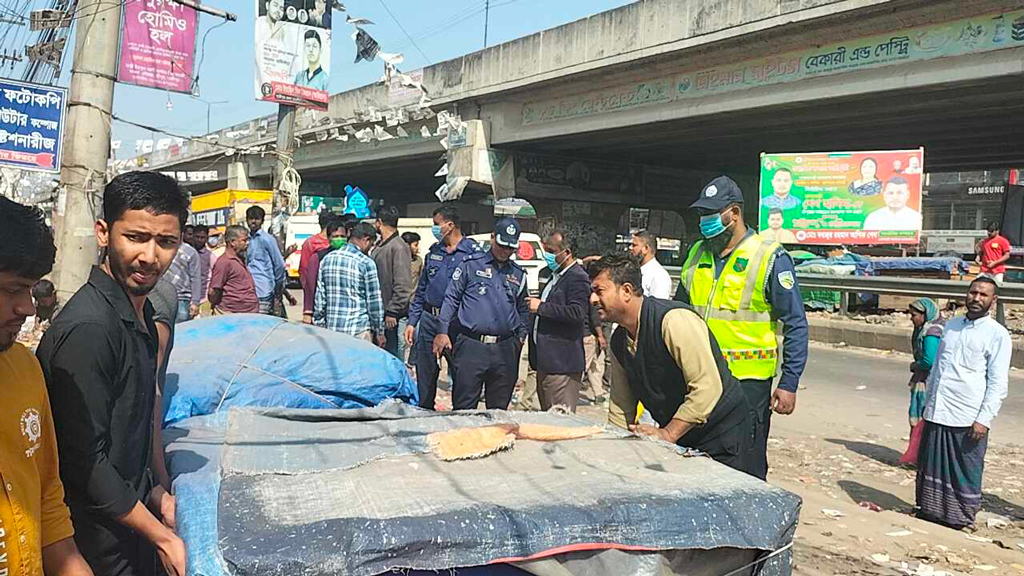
(31,125)
(842,197)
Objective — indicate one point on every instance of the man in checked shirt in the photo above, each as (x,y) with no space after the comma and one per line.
(348,290)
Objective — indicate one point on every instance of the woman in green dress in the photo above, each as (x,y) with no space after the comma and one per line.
(928,326)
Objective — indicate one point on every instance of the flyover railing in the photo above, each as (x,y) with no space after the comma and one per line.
(1009,293)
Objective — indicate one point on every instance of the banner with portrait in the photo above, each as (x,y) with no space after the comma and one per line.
(842,197)
(158,45)
(293,52)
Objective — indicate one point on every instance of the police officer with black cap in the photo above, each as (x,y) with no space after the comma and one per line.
(487,297)
(744,286)
(442,260)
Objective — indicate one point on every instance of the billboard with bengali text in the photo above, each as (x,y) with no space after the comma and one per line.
(292,45)
(842,197)
(158,45)
(31,125)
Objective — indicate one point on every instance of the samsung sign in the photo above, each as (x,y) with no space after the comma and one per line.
(989,189)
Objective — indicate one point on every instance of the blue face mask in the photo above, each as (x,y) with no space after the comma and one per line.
(436,231)
(711,225)
(552,262)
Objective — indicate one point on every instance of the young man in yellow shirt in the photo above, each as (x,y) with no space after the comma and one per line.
(35,525)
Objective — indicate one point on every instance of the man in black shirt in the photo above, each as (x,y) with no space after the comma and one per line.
(99,359)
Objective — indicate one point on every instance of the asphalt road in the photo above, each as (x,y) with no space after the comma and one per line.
(834,374)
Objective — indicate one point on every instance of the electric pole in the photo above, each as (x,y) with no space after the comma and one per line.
(285,153)
(86,143)
(487,19)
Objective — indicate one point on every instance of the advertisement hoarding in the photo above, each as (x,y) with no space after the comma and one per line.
(31,125)
(158,45)
(293,52)
(842,197)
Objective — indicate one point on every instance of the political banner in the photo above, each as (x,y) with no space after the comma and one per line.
(158,45)
(293,52)
(842,197)
(31,125)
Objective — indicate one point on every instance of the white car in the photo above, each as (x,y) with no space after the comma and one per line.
(530,256)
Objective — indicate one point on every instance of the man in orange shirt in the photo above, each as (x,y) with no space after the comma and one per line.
(35,524)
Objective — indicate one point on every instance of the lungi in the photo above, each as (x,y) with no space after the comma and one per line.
(950,464)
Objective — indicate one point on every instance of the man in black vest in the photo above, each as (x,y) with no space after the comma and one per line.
(664,356)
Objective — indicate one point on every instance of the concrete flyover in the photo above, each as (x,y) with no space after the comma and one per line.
(639,105)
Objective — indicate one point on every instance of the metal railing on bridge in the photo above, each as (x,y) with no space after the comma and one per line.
(1009,293)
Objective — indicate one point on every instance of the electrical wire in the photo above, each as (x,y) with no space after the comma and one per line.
(426,58)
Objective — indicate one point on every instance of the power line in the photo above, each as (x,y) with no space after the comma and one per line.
(402,28)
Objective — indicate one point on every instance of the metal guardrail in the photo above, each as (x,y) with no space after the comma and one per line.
(1009,293)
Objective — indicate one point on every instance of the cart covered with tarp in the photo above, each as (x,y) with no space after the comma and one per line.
(322,490)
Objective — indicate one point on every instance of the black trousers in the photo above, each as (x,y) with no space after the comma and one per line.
(733,446)
(391,337)
(488,369)
(112,548)
(759,396)
(427,365)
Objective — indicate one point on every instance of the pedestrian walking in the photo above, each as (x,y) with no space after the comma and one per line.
(557,324)
(744,286)
(33,515)
(394,269)
(657,281)
(440,264)
(99,359)
(928,326)
(966,388)
(347,298)
(312,245)
(486,302)
(232,288)
(336,239)
(667,357)
(265,263)
(186,276)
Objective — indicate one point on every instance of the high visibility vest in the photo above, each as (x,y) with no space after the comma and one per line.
(734,306)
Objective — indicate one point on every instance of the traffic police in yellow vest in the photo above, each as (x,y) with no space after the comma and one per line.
(744,286)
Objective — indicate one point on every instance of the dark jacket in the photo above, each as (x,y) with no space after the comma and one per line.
(394,267)
(559,325)
(657,381)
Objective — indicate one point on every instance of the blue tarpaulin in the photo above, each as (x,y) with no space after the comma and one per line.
(256,360)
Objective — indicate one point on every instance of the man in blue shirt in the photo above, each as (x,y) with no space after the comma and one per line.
(265,263)
(314,76)
(487,295)
(438,267)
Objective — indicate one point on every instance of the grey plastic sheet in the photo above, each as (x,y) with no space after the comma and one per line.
(356,492)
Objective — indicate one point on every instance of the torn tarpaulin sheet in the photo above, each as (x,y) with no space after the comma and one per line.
(301,492)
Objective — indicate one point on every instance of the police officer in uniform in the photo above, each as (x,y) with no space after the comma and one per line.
(487,297)
(744,286)
(442,260)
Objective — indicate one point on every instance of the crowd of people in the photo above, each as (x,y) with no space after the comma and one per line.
(84,484)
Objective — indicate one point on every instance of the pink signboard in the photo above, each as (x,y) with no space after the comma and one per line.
(158,45)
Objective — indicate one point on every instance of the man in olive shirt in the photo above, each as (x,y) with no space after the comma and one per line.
(664,355)
(100,362)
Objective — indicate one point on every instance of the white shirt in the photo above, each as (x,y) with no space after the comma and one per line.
(905,218)
(655,280)
(968,382)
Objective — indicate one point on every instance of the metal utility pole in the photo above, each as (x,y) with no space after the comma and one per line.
(487,19)
(208,106)
(86,143)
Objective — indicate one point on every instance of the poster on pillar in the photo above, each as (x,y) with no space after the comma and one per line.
(293,52)
(842,197)
(158,45)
